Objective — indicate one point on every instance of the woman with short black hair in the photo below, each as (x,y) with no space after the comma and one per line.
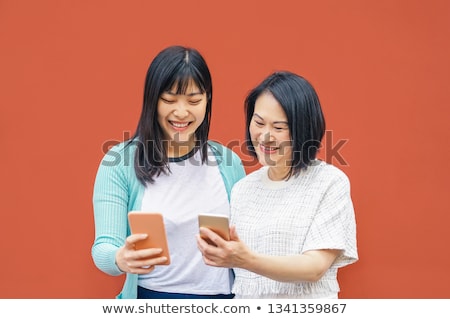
(293,219)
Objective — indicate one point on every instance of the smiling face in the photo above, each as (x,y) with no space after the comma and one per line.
(179,116)
(269,132)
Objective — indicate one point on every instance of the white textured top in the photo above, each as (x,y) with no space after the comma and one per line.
(312,211)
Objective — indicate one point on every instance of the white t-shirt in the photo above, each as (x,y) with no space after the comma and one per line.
(190,189)
(277,218)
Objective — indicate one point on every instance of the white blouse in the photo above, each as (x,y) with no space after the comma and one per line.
(309,212)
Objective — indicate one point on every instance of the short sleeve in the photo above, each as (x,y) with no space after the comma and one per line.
(334,225)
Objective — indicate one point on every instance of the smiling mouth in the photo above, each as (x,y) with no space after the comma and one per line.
(268,149)
(179,125)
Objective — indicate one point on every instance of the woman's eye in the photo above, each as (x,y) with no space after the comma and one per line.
(167,100)
(196,102)
(281,128)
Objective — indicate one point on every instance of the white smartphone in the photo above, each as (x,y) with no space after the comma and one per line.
(153,225)
(218,224)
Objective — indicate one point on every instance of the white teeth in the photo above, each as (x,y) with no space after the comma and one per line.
(268,148)
(180,125)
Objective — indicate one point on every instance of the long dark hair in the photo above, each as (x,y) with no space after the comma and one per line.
(301,104)
(175,66)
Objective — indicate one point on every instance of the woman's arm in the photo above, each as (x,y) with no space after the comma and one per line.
(309,266)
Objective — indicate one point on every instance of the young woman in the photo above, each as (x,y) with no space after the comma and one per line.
(294,219)
(169,166)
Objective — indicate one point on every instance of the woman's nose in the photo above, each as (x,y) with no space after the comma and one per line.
(180,110)
(267,136)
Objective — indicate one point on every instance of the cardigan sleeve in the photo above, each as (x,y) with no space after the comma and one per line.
(110,202)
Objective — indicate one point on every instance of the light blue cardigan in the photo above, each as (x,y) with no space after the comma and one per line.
(117,191)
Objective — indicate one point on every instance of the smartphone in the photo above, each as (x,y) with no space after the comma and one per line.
(153,225)
(218,224)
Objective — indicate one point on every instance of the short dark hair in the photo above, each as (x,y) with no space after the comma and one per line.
(301,104)
(174,66)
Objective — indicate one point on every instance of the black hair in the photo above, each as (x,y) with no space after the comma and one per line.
(175,66)
(301,105)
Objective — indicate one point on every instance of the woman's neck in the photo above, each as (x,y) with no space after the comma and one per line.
(277,173)
(179,149)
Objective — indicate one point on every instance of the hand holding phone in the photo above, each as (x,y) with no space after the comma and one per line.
(151,224)
(218,224)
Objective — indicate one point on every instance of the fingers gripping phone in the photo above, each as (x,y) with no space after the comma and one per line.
(218,224)
(151,224)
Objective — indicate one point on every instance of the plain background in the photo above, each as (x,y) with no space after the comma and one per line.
(71,84)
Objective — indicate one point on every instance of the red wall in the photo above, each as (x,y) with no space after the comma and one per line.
(71,79)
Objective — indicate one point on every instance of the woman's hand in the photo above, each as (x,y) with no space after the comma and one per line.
(222,253)
(141,261)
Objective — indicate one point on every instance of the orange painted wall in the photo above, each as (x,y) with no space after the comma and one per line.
(71,81)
